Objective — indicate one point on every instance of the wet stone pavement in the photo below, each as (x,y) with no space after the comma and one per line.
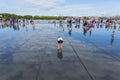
(33,55)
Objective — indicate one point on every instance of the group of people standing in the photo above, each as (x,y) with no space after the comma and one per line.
(17,23)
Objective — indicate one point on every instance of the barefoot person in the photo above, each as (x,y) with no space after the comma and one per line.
(59,42)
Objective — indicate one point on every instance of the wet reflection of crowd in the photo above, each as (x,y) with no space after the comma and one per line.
(61,25)
(69,26)
(112,37)
(16,24)
(89,24)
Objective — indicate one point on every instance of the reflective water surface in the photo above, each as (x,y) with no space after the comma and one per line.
(106,39)
(28,51)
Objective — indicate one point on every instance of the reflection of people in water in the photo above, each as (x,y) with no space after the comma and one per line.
(14,27)
(4,24)
(33,25)
(70,31)
(114,26)
(77,22)
(112,38)
(90,31)
(119,28)
(0,22)
(59,55)
(61,25)
(85,29)
(26,28)
(23,23)
(69,26)
(18,28)
(77,26)
(101,23)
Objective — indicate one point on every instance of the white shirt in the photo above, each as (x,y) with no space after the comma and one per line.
(60,38)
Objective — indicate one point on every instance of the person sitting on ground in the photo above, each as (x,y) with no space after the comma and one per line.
(59,41)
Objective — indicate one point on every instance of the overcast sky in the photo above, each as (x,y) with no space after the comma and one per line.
(61,7)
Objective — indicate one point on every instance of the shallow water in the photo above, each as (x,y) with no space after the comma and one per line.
(99,37)
(30,53)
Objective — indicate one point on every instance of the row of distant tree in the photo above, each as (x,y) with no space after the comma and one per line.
(8,16)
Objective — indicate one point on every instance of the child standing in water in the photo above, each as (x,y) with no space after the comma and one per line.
(59,42)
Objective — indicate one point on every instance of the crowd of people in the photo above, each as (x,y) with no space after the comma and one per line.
(92,22)
(17,23)
(89,24)
(84,23)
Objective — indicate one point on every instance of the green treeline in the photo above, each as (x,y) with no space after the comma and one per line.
(8,16)
(49,17)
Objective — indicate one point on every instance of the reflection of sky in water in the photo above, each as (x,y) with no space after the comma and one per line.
(13,39)
(100,38)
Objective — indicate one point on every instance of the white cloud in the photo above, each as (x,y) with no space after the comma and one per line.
(43,3)
(54,7)
(73,7)
(18,10)
(45,7)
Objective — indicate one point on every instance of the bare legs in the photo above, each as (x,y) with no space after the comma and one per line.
(59,46)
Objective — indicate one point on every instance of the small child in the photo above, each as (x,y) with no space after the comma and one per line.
(59,41)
